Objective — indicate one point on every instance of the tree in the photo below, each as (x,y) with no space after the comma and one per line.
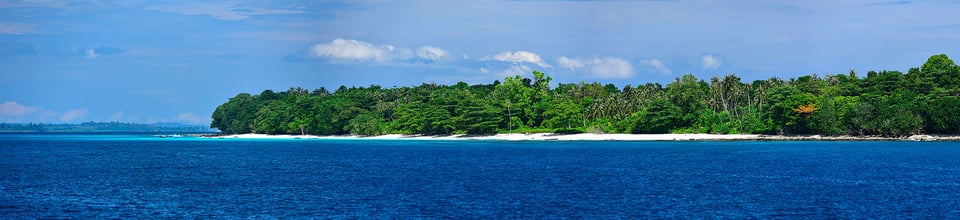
(728,95)
(943,72)
(563,114)
(268,119)
(517,98)
(687,93)
(901,117)
(237,115)
(788,99)
(479,117)
(863,118)
(827,120)
(660,116)
(941,114)
(365,124)
(884,82)
(713,122)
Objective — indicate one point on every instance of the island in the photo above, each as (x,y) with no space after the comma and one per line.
(924,103)
(104,127)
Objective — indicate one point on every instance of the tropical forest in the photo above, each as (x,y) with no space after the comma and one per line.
(924,100)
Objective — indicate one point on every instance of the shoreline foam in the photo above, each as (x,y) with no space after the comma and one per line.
(601,137)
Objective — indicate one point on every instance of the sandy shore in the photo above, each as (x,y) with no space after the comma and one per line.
(599,137)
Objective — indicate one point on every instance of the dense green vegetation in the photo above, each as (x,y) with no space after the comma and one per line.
(103,127)
(887,103)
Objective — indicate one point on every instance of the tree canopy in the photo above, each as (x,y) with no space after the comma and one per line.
(885,103)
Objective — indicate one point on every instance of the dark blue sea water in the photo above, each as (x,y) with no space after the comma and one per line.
(140,176)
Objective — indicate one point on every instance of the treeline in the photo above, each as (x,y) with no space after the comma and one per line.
(103,127)
(887,103)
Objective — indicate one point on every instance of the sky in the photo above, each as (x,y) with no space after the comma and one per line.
(176,61)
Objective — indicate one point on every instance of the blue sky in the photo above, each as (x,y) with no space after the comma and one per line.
(175,61)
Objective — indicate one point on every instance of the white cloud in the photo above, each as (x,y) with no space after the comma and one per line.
(11,111)
(91,54)
(612,67)
(355,50)
(14,109)
(603,67)
(711,62)
(658,66)
(431,53)
(570,63)
(349,50)
(73,115)
(515,70)
(521,57)
(188,118)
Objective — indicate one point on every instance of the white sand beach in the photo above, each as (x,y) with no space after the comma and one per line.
(520,137)
(595,137)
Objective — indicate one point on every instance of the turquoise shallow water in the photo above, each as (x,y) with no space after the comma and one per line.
(143,176)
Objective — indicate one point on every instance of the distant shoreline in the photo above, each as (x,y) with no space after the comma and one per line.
(104,127)
(599,137)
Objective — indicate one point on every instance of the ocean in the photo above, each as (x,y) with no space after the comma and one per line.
(144,176)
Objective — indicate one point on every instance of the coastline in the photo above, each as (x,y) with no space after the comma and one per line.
(599,137)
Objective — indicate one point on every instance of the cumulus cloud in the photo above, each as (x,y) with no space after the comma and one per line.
(510,63)
(342,49)
(349,50)
(603,67)
(14,109)
(570,63)
(515,70)
(521,57)
(711,62)
(188,118)
(431,53)
(73,115)
(658,66)
(11,111)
